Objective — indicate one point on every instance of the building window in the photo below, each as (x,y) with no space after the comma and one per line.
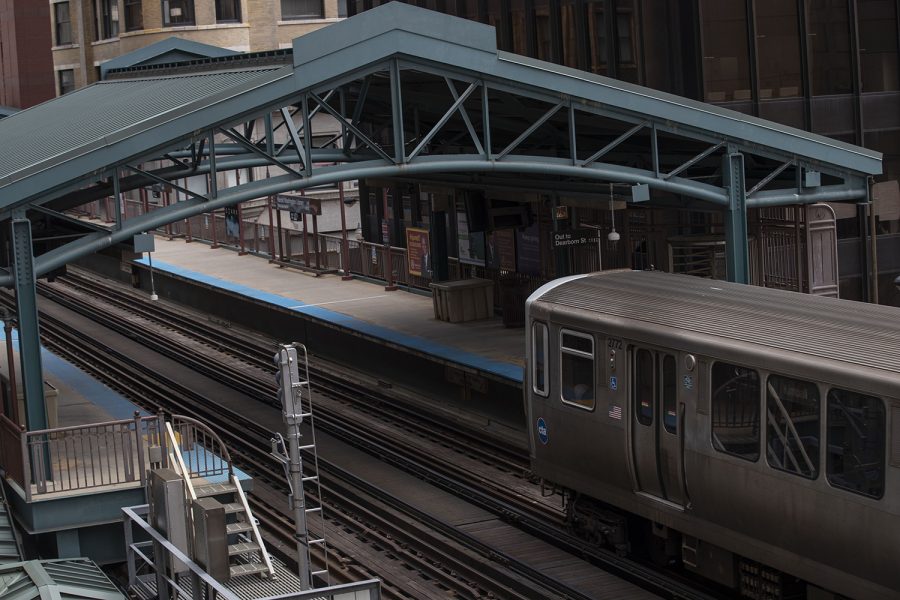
(828,24)
(726,63)
(107,19)
(228,11)
(792,430)
(134,15)
(66,81)
(878,45)
(302,9)
(577,368)
(856,440)
(778,49)
(63,23)
(596,30)
(178,12)
(735,410)
(539,358)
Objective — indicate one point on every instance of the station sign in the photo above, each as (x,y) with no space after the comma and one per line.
(575,237)
(299,204)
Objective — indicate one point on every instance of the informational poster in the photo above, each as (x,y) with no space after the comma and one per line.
(528,250)
(232,227)
(501,250)
(417,251)
(471,243)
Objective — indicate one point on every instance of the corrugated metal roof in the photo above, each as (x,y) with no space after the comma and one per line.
(67,579)
(845,331)
(42,136)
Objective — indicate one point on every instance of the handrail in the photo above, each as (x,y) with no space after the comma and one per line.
(219,446)
(178,459)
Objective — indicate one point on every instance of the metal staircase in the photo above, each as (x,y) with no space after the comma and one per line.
(292,376)
(199,456)
(10,549)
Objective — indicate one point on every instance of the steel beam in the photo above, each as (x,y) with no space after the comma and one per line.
(29,334)
(737,260)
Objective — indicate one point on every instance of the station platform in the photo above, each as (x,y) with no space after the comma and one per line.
(476,366)
(66,485)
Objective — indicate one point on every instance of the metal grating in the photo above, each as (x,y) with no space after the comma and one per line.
(849,332)
(88,115)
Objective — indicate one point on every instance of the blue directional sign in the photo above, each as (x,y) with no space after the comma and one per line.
(542,430)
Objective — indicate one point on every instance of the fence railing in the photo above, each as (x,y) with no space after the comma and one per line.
(99,455)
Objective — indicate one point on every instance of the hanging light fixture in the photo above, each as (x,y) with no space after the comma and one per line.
(613,234)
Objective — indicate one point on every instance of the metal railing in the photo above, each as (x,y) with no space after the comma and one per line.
(101,455)
(145,579)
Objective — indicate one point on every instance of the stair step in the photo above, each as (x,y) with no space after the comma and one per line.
(248,569)
(239,527)
(233,507)
(242,548)
(214,489)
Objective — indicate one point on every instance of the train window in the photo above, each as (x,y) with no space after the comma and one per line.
(539,358)
(856,440)
(669,389)
(577,368)
(735,410)
(792,425)
(643,386)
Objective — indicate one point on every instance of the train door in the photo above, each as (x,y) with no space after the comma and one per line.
(656,444)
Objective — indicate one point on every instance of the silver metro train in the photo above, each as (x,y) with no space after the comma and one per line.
(750,435)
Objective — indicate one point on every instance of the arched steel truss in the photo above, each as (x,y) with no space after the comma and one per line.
(417,94)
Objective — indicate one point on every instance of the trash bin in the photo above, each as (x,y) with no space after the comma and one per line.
(513,294)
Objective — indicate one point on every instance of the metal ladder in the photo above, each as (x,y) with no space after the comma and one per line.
(295,393)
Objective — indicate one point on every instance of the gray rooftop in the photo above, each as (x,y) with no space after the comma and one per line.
(68,579)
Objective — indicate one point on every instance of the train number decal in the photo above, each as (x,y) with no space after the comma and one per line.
(614,344)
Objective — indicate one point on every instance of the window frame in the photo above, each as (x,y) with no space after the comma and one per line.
(128,7)
(580,354)
(166,18)
(817,466)
(885,405)
(301,17)
(59,81)
(57,23)
(545,350)
(108,28)
(712,411)
(236,5)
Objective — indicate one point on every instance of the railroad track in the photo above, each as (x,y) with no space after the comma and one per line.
(531,520)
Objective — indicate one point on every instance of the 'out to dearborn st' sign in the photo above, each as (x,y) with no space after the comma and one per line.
(574,237)
(299,204)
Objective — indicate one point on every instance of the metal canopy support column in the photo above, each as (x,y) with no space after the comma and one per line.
(737,261)
(29,340)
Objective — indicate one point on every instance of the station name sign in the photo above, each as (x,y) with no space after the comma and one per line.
(575,237)
(299,204)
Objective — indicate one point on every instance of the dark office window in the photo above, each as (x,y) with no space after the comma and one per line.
(107,19)
(518,27)
(302,9)
(726,66)
(596,32)
(66,81)
(878,45)
(778,49)
(178,12)
(626,48)
(735,410)
(134,15)
(792,426)
(644,394)
(577,368)
(829,46)
(469,9)
(856,438)
(228,11)
(569,22)
(63,23)
(542,30)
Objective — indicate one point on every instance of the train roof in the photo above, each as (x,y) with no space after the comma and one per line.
(842,330)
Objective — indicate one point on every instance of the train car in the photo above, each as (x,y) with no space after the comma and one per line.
(750,435)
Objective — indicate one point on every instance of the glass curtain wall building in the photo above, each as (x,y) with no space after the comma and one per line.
(826,66)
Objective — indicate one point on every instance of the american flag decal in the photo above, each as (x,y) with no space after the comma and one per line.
(615,412)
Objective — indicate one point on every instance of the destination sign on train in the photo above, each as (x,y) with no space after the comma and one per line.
(574,237)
